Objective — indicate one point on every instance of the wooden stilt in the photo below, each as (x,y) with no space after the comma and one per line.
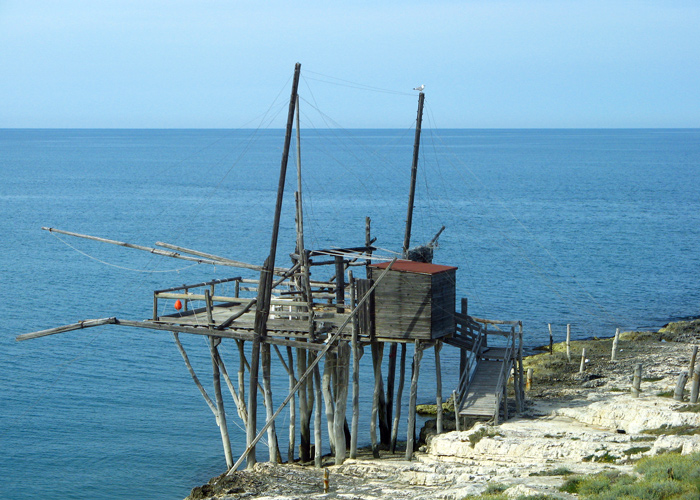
(516,373)
(377,363)
(304,413)
(455,404)
(355,372)
(438,383)
(292,407)
(411,432)
(317,419)
(241,376)
(341,400)
(521,368)
(390,380)
(399,394)
(328,368)
(240,408)
(220,412)
(267,375)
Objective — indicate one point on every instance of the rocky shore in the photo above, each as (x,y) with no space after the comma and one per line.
(573,423)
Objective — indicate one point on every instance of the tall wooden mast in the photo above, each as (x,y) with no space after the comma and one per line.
(262,310)
(414,169)
(391,376)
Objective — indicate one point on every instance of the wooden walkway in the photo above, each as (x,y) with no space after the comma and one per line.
(485,370)
(485,391)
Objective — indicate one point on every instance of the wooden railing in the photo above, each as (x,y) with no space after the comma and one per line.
(473,335)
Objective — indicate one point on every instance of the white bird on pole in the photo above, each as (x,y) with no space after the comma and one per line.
(420,89)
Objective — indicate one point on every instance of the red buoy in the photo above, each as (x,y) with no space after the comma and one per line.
(178,304)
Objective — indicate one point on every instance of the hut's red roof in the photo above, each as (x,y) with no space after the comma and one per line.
(409,266)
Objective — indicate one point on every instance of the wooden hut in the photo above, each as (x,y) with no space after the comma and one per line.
(414,301)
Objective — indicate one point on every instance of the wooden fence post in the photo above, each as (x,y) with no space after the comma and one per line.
(613,354)
(455,403)
(568,343)
(695,385)
(583,361)
(637,381)
(691,366)
(680,386)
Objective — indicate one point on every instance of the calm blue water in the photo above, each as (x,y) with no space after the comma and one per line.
(597,228)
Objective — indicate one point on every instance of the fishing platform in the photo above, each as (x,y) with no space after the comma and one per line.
(323,313)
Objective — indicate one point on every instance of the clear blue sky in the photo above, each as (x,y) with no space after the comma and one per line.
(215,63)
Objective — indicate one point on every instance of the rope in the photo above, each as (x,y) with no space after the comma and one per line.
(117,266)
(331,80)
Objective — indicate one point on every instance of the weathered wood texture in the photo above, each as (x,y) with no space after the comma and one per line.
(415,306)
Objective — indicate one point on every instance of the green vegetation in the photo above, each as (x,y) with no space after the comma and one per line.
(477,436)
(679,430)
(694,408)
(635,450)
(607,458)
(637,439)
(663,477)
(559,471)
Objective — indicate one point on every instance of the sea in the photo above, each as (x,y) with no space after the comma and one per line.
(598,229)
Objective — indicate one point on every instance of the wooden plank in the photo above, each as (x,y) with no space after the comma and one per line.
(88,323)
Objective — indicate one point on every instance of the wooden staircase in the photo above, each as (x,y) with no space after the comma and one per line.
(484,369)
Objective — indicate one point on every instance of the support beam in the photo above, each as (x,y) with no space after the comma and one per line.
(220,412)
(411,431)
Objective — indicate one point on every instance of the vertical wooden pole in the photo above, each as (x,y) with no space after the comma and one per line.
(355,371)
(341,401)
(304,414)
(368,242)
(438,383)
(455,403)
(521,368)
(267,395)
(613,354)
(339,282)
(241,376)
(411,432)
(691,366)
(695,385)
(292,408)
(568,342)
(414,170)
(637,380)
(317,419)
(328,367)
(462,352)
(680,386)
(516,372)
(528,383)
(583,361)
(377,364)
(220,412)
(390,380)
(265,289)
(399,394)
(551,339)
(207,300)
